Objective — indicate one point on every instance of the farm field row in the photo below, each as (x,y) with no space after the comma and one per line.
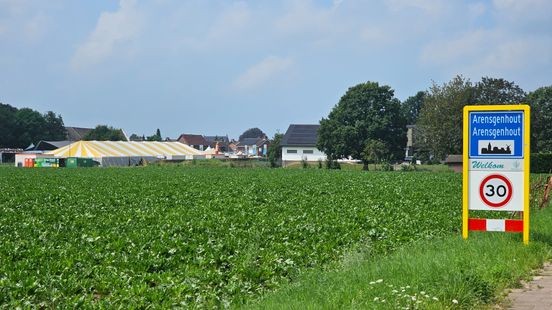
(173,236)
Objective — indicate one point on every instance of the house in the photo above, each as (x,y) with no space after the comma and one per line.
(409,151)
(198,142)
(299,143)
(223,142)
(252,146)
(454,162)
(77,133)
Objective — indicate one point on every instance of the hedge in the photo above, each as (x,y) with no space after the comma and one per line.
(541,163)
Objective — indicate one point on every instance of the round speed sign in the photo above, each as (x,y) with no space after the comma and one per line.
(495,190)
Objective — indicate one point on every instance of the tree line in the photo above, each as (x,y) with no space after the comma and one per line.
(22,127)
(369,123)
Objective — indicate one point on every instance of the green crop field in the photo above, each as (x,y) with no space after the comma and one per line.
(194,237)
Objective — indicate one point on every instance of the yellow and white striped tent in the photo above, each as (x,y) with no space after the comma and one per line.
(100,149)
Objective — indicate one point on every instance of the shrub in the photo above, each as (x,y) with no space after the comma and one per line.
(541,163)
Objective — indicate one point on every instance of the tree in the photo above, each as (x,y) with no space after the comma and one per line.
(54,128)
(8,126)
(375,151)
(366,112)
(411,107)
(540,101)
(440,121)
(105,133)
(30,126)
(135,137)
(275,149)
(156,136)
(252,133)
(498,91)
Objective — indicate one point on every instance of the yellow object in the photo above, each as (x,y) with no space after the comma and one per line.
(526,161)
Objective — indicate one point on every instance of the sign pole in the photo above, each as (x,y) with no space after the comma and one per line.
(465,165)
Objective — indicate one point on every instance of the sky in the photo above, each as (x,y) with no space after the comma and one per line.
(221,67)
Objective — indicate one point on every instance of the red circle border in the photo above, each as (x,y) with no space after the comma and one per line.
(492,204)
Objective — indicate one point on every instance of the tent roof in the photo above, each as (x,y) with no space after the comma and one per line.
(99,149)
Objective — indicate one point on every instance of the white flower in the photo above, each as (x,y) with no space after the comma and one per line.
(376,298)
(435,298)
(454,301)
(379,281)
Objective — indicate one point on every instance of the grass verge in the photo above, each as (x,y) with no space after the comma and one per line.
(447,273)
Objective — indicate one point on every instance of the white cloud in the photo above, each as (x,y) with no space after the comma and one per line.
(484,52)
(262,72)
(113,30)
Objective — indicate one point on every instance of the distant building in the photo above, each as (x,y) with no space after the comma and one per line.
(198,142)
(454,162)
(299,143)
(223,142)
(252,147)
(77,133)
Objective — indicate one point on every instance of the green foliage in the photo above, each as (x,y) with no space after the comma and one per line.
(412,106)
(275,150)
(366,112)
(375,151)
(105,133)
(440,122)
(21,127)
(498,91)
(252,133)
(541,162)
(156,136)
(179,237)
(541,119)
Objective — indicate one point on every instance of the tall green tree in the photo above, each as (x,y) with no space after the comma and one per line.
(440,122)
(54,129)
(366,112)
(105,133)
(498,91)
(411,107)
(540,101)
(30,126)
(8,125)
(275,149)
(156,136)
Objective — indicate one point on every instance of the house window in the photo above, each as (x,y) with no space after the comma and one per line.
(308,152)
(292,151)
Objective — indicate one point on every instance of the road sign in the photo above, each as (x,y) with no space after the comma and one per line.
(496,163)
(495,190)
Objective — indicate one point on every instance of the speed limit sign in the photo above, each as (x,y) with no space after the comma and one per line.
(495,190)
(492,191)
(496,167)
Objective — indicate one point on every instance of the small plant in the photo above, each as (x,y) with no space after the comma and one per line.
(319,163)
(304,163)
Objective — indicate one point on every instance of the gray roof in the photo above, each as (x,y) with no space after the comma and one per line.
(211,139)
(301,135)
(77,133)
(250,141)
(454,159)
(51,145)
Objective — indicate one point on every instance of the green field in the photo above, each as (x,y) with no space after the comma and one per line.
(200,236)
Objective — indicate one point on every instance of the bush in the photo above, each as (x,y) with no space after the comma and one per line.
(541,163)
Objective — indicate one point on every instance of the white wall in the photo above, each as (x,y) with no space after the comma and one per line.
(301,155)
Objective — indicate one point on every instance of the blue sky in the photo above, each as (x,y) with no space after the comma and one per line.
(220,67)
